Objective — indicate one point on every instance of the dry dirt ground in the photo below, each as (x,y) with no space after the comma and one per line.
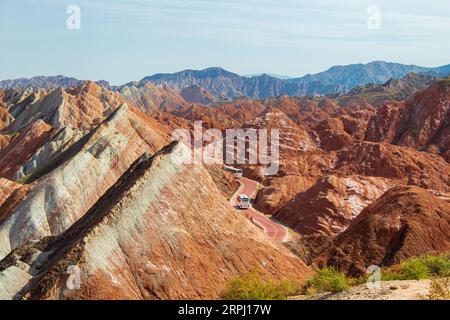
(390,290)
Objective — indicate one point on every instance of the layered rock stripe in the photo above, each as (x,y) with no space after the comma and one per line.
(163,231)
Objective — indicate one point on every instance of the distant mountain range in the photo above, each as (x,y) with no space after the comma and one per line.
(279,76)
(351,76)
(338,79)
(391,90)
(222,83)
(45,82)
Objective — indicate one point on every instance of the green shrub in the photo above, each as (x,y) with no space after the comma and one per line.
(438,266)
(419,268)
(413,269)
(253,286)
(326,280)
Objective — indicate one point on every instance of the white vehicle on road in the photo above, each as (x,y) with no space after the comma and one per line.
(236,171)
(243,201)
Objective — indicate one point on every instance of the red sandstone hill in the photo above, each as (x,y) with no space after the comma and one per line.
(332,135)
(404,222)
(162,231)
(67,115)
(361,173)
(6,189)
(5,117)
(211,118)
(152,99)
(70,146)
(197,94)
(81,107)
(397,163)
(69,181)
(422,122)
(243,109)
(337,134)
(22,147)
(280,190)
(301,110)
(330,205)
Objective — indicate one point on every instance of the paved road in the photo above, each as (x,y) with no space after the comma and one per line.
(272,229)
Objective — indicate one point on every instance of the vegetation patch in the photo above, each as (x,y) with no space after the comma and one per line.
(254,286)
(432,267)
(326,280)
(425,267)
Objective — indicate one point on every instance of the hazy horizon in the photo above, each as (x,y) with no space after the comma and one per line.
(243,75)
(122,41)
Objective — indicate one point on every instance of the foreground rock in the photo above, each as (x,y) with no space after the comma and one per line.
(163,231)
(390,290)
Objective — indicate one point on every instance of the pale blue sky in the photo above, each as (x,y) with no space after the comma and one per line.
(123,40)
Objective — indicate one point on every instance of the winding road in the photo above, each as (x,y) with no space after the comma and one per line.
(271,228)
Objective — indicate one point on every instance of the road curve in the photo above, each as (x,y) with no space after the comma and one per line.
(271,228)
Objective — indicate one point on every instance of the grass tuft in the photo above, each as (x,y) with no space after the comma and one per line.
(253,286)
(326,280)
(418,268)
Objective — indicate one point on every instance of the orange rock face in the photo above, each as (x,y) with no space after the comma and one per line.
(22,147)
(397,163)
(420,122)
(12,199)
(153,99)
(65,187)
(332,135)
(4,141)
(149,227)
(404,222)
(330,205)
(196,94)
(335,135)
(243,110)
(81,107)
(383,126)
(5,117)
(281,191)
(150,235)
(211,118)
(6,188)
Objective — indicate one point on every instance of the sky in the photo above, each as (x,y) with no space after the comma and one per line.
(125,40)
